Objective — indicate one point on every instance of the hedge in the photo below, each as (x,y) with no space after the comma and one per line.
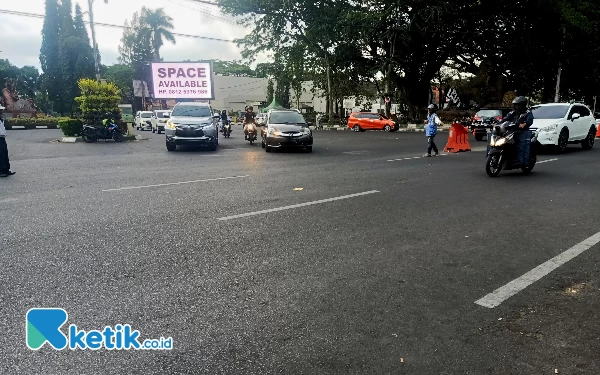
(31,123)
(71,127)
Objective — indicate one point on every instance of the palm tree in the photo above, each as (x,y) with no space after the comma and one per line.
(159,25)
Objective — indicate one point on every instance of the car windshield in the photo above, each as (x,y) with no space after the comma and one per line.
(126,111)
(287,118)
(146,115)
(162,114)
(549,111)
(489,113)
(191,111)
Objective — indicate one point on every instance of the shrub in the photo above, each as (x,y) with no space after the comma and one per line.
(97,99)
(448,116)
(70,127)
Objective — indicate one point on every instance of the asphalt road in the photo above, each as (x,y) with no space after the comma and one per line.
(374,269)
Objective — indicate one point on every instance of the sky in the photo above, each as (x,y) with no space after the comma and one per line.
(20,37)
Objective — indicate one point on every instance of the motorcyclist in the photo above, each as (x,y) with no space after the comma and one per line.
(224,120)
(520,115)
(249,118)
(109,121)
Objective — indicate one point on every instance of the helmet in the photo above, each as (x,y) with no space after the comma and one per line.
(520,104)
(520,100)
(108,115)
(432,107)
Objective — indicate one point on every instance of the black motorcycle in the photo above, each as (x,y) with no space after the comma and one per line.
(227,130)
(509,148)
(91,133)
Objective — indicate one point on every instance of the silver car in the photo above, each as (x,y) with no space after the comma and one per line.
(192,123)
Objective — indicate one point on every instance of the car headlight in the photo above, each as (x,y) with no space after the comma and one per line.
(305,130)
(170,125)
(549,128)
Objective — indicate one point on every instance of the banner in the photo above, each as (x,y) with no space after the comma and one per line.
(183,80)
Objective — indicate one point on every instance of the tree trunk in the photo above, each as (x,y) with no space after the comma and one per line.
(329,84)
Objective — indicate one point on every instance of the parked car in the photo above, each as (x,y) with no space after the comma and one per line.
(559,124)
(143,120)
(192,123)
(484,118)
(159,119)
(286,128)
(361,121)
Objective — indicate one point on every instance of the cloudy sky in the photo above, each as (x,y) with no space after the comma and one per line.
(20,37)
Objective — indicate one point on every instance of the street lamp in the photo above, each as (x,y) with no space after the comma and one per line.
(95,45)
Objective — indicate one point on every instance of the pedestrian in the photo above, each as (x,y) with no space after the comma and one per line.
(431,129)
(4,162)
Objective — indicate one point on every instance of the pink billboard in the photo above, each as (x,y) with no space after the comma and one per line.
(192,80)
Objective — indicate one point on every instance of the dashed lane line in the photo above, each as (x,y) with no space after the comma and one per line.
(297,205)
(503,293)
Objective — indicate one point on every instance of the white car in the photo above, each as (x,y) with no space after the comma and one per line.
(143,120)
(558,124)
(159,119)
(260,118)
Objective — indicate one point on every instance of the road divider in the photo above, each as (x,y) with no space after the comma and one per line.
(503,293)
(297,205)
(175,183)
(458,139)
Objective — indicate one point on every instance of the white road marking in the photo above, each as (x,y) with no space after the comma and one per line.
(505,292)
(176,183)
(545,161)
(298,205)
(415,157)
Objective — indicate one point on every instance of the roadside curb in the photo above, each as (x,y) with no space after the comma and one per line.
(79,139)
(23,127)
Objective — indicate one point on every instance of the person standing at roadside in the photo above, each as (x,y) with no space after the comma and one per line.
(4,162)
(431,129)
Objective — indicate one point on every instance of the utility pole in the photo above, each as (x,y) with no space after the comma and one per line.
(562,45)
(94,44)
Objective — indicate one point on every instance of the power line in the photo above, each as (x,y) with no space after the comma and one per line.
(34,15)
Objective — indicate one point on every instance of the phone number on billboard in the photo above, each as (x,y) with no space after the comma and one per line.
(188,92)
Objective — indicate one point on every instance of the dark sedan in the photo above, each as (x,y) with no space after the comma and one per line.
(285,128)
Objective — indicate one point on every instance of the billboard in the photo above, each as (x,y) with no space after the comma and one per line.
(174,80)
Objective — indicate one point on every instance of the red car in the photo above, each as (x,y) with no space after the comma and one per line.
(361,121)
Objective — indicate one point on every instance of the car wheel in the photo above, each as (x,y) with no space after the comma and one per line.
(213,147)
(158,131)
(171,146)
(356,128)
(309,149)
(588,142)
(563,140)
(268,148)
(479,137)
(387,128)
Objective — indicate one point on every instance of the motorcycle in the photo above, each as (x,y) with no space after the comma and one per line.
(510,149)
(252,133)
(91,133)
(227,130)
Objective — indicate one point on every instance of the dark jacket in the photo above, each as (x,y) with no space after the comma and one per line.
(515,118)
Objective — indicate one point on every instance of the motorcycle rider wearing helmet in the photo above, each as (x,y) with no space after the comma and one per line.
(108,119)
(520,115)
(249,118)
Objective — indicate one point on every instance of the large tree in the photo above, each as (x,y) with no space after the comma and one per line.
(49,61)
(160,26)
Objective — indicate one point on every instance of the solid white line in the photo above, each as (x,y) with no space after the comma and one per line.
(297,205)
(545,161)
(175,183)
(505,292)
